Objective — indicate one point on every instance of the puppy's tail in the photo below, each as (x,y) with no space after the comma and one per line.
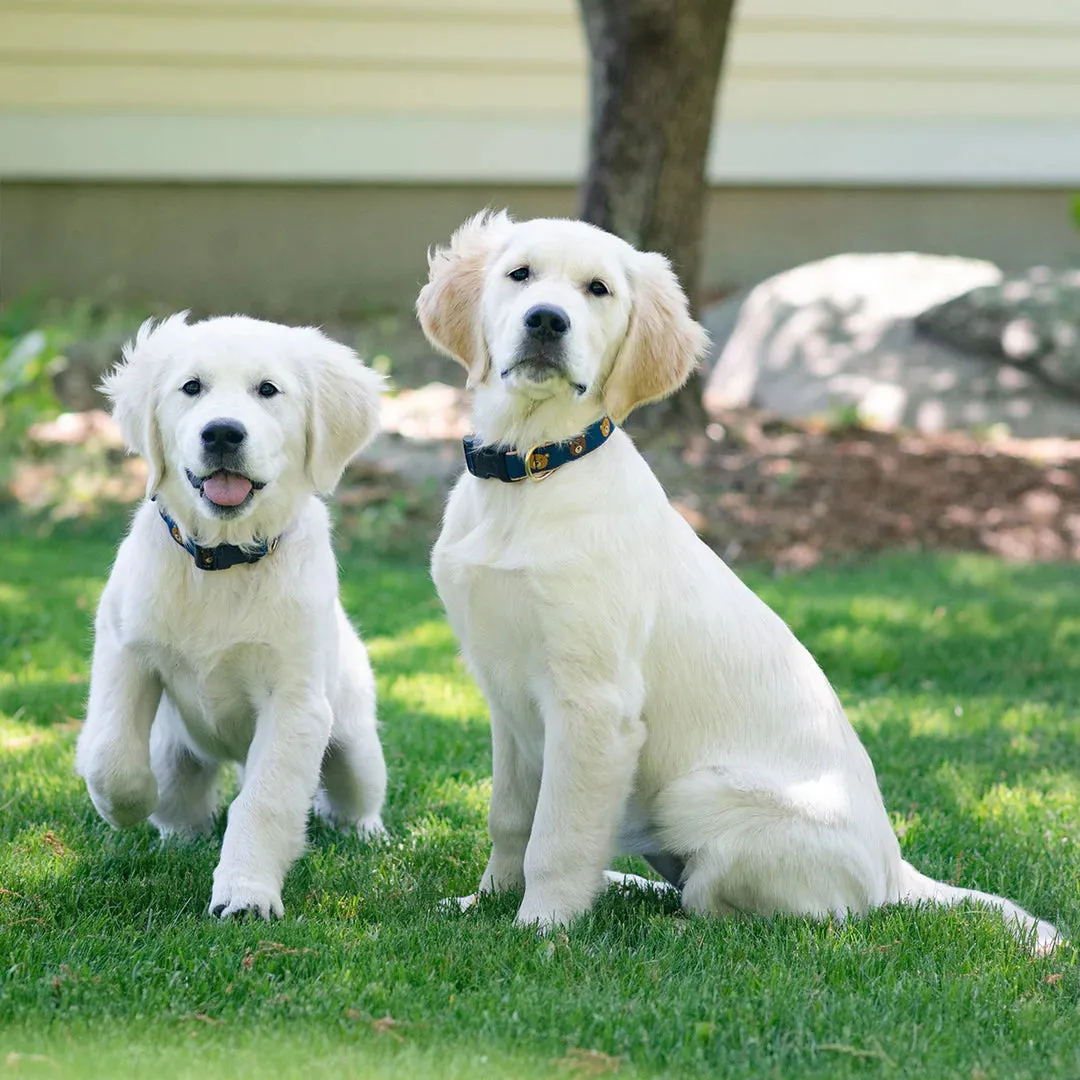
(1039,936)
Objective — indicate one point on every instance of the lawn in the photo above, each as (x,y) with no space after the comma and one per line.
(962,675)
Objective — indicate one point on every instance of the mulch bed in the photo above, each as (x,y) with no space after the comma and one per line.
(758,489)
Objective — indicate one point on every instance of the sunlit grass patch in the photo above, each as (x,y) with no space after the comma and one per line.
(435,695)
(961,675)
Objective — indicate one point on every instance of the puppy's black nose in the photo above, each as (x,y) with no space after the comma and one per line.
(221,436)
(546,323)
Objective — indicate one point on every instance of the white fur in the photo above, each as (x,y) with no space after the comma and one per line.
(256,664)
(642,698)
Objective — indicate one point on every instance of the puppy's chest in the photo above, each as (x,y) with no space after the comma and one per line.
(216,662)
(218,697)
(204,617)
(493,613)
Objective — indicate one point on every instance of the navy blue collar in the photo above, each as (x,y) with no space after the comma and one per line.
(221,557)
(490,463)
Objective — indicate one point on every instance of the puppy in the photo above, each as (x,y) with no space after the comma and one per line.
(643,700)
(220,636)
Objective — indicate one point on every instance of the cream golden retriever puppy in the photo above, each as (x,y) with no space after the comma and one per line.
(643,700)
(220,636)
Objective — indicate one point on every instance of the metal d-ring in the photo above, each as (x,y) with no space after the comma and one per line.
(536,477)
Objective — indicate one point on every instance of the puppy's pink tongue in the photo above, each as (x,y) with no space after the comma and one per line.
(226,489)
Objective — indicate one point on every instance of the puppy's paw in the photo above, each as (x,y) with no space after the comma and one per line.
(183,832)
(1046,939)
(460,903)
(242,897)
(367,828)
(122,798)
(636,883)
(543,914)
(371,828)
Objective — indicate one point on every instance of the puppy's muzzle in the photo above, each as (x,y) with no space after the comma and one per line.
(543,351)
(546,323)
(224,485)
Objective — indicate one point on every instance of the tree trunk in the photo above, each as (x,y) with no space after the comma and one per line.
(654,73)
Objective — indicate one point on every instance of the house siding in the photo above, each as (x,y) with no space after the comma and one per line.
(485,67)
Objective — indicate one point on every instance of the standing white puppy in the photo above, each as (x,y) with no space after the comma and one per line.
(642,698)
(220,636)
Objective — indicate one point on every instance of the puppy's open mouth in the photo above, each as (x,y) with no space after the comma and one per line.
(225,489)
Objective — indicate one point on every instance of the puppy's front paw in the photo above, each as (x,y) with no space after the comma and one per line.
(244,896)
(122,798)
(460,903)
(544,913)
(371,828)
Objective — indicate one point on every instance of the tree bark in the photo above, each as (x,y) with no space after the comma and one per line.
(654,73)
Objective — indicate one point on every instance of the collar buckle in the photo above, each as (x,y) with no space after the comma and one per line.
(540,461)
(536,465)
(222,557)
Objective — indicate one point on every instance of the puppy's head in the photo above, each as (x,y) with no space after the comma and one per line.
(559,310)
(238,419)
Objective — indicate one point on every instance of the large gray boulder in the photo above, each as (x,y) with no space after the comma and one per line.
(1030,320)
(851,334)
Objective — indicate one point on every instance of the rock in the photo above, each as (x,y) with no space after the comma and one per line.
(435,411)
(1028,319)
(843,336)
(720,319)
(95,426)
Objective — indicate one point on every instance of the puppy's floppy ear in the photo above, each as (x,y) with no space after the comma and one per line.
(345,397)
(663,343)
(132,388)
(449,304)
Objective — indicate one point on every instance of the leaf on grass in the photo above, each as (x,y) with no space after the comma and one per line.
(385,1026)
(1055,978)
(14,1059)
(202,1018)
(56,845)
(876,1054)
(271,948)
(588,1063)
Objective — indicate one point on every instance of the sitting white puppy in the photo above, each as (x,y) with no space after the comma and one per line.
(642,698)
(220,636)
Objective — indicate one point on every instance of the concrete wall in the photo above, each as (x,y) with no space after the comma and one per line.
(311,251)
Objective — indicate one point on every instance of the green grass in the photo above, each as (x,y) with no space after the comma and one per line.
(962,675)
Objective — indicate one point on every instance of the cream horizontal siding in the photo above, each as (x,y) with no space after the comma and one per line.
(528,96)
(947,72)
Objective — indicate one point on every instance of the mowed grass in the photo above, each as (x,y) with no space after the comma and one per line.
(961,674)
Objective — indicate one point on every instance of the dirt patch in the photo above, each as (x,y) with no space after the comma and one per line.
(757,489)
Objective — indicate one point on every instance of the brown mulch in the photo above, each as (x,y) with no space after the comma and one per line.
(758,489)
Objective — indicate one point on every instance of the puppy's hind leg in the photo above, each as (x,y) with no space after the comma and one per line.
(188,793)
(352,783)
(751,847)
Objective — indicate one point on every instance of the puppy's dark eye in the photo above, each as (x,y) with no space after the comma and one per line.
(193,388)
(268,389)
(597,288)
(522,273)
